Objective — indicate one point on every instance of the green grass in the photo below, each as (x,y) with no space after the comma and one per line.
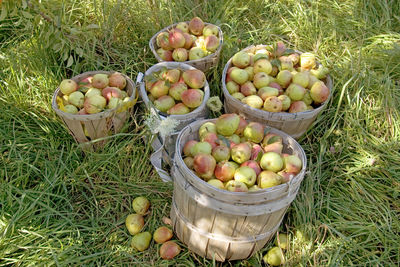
(62,207)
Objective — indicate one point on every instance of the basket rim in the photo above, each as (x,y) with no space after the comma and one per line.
(173,65)
(212,55)
(296,179)
(329,84)
(105,113)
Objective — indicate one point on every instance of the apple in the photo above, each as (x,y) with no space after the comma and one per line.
(165,55)
(207,127)
(169,250)
(307,61)
(241,152)
(267,91)
(183,26)
(211,138)
(187,148)
(204,165)
(225,171)
(232,87)
(134,223)
(261,79)
(70,109)
(273,104)
(210,29)
(217,183)
(110,92)
(196,26)
(211,42)
(262,65)
(301,78)
(221,153)
(246,175)
(189,162)
(298,106)
(180,54)
(76,98)
(188,41)
(159,88)
(100,81)
(295,92)
(271,161)
(284,78)
(164,103)
(141,241)
(292,163)
(163,41)
(239,76)
(267,179)
(116,79)
(68,86)
(236,186)
(178,109)
(176,39)
(196,53)
(194,78)
(162,234)
(252,164)
(250,72)
(241,59)
(176,90)
(201,148)
(94,104)
(254,132)
(192,98)
(285,102)
(238,95)
(227,124)
(319,92)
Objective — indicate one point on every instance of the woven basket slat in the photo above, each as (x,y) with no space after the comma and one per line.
(225,225)
(294,124)
(203,64)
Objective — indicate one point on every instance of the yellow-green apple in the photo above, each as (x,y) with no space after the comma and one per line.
(141,241)
(76,98)
(267,179)
(201,148)
(164,103)
(271,161)
(285,102)
(239,76)
(262,65)
(312,81)
(183,26)
(236,186)
(176,90)
(295,92)
(68,86)
(319,92)
(234,138)
(238,95)
(252,164)
(292,163)
(194,78)
(227,124)
(216,183)
(250,72)
(70,109)
(307,98)
(204,165)
(267,91)
(274,257)
(221,153)
(92,91)
(254,132)
(114,102)
(159,88)
(246,175)
(261,79)
(321,72)
(254,188)
(94,104)
(284,78)
(241,152)
(207,127)
(196,53)
(100,81)
(196,26)
(241,59)
(286,63)
(178,109)
(295,58)
(210,29)
(273,104)
(232,87)
(180,54)
(140,205)
(301,78)
(134,223)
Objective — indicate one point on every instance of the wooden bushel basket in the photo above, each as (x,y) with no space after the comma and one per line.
(165,149)
(203,64)
(226,225)
(97,125)
(294,124)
